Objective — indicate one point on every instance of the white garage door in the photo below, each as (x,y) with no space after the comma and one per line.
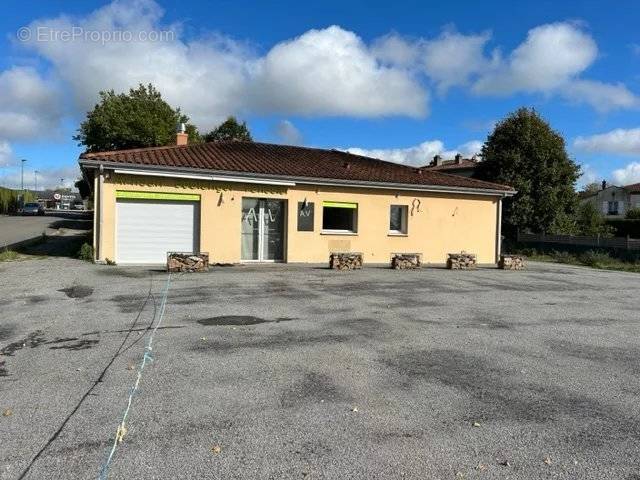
(148,229)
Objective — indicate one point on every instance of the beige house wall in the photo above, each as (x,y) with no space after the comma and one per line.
(438,223)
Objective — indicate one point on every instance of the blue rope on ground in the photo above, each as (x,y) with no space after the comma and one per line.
(146,358)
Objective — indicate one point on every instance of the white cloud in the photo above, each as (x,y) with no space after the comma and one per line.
(601,96)
(469,149)
(550,57)
(322,72)
(332,72)
(588,175)
(618,141)
(6,154)
(419,155)
(627,175)
(205,78)
(393,49)
(28,105)
(550,61)
(452,58)
(288,133)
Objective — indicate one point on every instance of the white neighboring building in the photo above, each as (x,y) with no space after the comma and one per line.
(614,201)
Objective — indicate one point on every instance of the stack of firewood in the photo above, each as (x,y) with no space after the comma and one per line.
(511,262)
(405,261)
(345,260)
(461,261)
(187,262)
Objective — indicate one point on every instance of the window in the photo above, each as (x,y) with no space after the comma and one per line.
(340,217)
(613,208)
(398,219)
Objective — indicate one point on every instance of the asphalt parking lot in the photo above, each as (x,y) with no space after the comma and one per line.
(300,372)
(16,229)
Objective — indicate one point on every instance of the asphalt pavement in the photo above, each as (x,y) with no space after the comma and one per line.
(15,229)
(298,372)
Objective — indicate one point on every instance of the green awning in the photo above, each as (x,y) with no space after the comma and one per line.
(185,197)
(340,205)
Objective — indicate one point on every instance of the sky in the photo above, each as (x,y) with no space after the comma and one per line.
(401,81)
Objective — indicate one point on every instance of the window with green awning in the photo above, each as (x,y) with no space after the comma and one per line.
(340,217)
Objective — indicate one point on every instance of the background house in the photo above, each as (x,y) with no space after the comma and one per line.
(614,201)
(464,167)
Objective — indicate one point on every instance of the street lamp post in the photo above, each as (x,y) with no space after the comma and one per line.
(22,182)
(22,174)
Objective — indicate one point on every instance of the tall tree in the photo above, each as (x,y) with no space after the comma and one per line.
(229,131)
(591,188)
(525,152)
(140,118)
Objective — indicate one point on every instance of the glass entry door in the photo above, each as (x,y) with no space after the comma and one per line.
(263,229)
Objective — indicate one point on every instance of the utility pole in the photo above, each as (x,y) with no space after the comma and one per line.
(22,174)
(35,177)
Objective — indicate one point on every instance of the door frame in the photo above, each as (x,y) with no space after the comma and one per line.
(285,219)
(197,221)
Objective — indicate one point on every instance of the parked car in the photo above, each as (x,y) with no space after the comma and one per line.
(78,205)
(32,209)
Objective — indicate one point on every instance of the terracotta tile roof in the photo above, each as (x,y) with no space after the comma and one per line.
(634,188)
(465,163)
(283,161)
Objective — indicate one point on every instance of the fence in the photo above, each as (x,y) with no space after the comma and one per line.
(612,243)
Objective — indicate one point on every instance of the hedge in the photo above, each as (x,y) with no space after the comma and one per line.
(624,227)
(9,199)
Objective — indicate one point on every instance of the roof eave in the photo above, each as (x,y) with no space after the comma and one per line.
(91,163)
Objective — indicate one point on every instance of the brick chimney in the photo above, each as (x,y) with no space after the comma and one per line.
(182,138)
(437,160)
(458,159)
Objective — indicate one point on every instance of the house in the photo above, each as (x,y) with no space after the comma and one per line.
(614,201)
(58,199)
(465,167)
(259,202)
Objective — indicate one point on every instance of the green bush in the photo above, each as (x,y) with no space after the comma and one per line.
(633,214)
(562,257)
(625,226)
(8,255)
(86,252)
(594,259)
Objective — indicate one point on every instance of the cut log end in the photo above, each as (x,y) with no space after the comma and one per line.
(187,262)
(345,261)
(461,261)
(406,261)
(511,262)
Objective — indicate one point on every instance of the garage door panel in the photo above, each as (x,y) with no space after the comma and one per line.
(148,229)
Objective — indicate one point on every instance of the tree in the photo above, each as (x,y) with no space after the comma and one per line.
(83,187)
(138,119)
(590,221)
(525,153)
(229,131)
(591,188)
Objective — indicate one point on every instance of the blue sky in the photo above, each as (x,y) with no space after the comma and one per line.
(398,80)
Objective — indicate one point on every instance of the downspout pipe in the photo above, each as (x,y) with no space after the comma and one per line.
(100,211)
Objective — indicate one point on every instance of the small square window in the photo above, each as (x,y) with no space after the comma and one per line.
(398,219)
